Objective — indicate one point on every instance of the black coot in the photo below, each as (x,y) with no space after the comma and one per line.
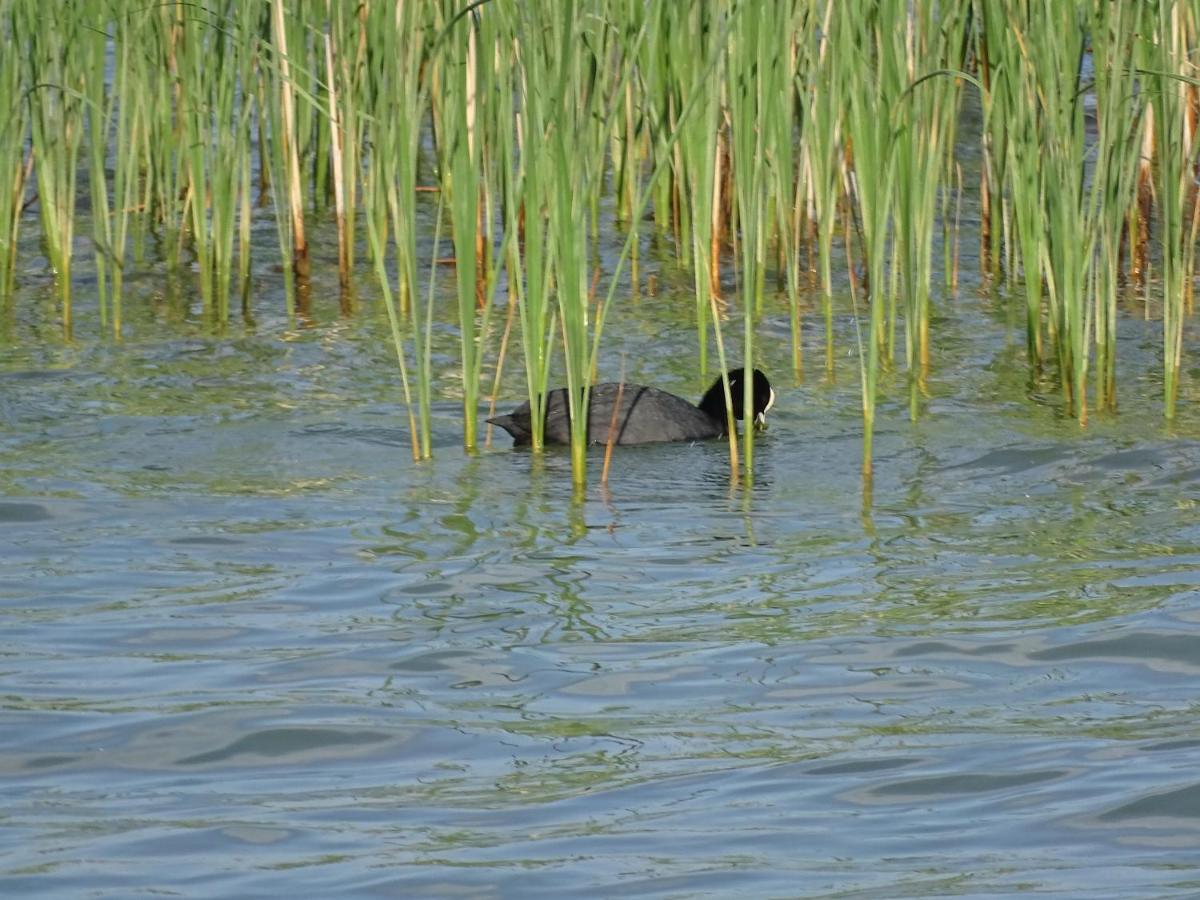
(646,415)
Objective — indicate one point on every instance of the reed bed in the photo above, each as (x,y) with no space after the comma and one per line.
(805,151)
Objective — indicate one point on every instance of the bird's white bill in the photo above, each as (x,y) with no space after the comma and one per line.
(760,420)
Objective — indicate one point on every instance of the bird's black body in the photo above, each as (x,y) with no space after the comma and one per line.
(646,415)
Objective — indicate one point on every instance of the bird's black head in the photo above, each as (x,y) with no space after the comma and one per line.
(713,401)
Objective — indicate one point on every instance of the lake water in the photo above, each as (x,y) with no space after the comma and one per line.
(249,649)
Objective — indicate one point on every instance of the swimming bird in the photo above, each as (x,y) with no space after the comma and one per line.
(646,414)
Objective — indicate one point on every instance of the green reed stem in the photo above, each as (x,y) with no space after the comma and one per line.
(55,77)
(14,123)
(755,60)
(873,92)
(1119,123)
(1175,147)
(459,147)
(821,85)
(931,47)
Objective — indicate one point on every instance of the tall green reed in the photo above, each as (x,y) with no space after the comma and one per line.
(460,143)
(1119,117)
(285,132)
(346,44)
(166,184)
(131,83)
(1167,76)
(788,187)
(215,116)
(1036,113)
(822,83)
(395,103)
(873,91)
(760,90)
(931,46)
(530,270)
(55,77)
(474,106)
(1053,47)
(14,121)
(577,101)
(1014,160)
(93,50)
(694,49)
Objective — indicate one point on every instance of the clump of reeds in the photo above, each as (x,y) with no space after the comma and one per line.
(763,137)
(14,161)
(1078,202)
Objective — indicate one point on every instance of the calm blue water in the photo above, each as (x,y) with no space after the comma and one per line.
(249,649)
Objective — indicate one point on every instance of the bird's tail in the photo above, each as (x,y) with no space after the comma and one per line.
(510,424)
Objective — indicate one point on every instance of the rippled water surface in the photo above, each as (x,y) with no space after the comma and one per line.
(251,650)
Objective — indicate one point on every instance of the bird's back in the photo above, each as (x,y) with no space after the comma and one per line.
(646,415)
